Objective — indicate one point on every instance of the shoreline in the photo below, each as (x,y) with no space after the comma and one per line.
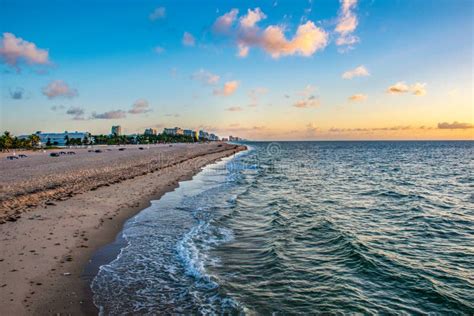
(43,262)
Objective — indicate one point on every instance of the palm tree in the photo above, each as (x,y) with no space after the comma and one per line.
(6,141)
(34,139)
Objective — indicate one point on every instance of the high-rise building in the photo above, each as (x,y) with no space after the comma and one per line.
(173,131)
(116,130)
(151,131)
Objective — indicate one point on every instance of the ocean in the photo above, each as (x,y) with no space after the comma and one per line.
(305,228)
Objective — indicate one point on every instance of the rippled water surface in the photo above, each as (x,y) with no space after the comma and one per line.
(306,227)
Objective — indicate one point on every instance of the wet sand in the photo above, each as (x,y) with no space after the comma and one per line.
(47,240)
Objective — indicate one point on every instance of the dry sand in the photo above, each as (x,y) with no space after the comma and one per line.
(60,210)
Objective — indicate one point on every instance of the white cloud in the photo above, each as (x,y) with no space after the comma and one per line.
(158,13)
(188,39)
(59,88)
(310,102)
(359,97)
(14,50)
(229,88)
(307,40)
(159,50)
(140,106)
(206,77)
(418,89)
(347,23)
(360,71)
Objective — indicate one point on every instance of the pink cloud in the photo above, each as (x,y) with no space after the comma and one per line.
(224,23)
(311,102)
(307,40)
(59,88)
(359,97)
(188,39)
(229,88)
(347,23)
(14,49)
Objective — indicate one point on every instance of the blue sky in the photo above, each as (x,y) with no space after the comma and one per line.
(106,53)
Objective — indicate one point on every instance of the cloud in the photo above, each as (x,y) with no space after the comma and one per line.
(418,89)
(229,88)
(157,14)
(17,94)
(188,39)
(255,94)
(159,50)
(310,102)
(455,125)
(252,18)
(205,77)
(57,107)
(360,71)
(399,87)
(358,97)
(311,128)
(59,88)
(116,114)
(234,109)
(77,113)
(307,40)
(369,129)
(224,23)
(346,24)
(14,50)
(140,106)
(308,90)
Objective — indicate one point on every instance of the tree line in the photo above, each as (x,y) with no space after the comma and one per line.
(8,141)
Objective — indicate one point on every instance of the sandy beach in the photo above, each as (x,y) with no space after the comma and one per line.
(57,211)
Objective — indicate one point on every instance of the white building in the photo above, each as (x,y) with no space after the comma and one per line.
(213,137)
(191,133)
(203,135)
(173,131)
(60,139)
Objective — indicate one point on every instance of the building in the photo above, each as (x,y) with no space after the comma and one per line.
(191,133)
(151,131)
(203,135)
(213,137)
(173,131)
(234,139)
(116,130)
(63,139)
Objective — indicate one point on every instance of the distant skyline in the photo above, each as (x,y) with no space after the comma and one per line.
(262,70)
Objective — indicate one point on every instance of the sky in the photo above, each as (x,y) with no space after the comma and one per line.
(262,70)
